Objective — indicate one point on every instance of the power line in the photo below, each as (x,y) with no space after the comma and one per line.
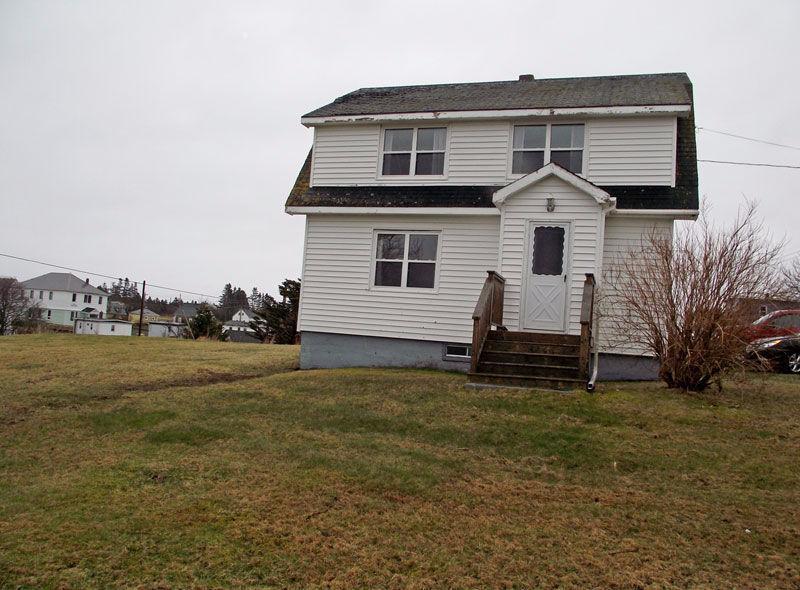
(764,141)
(97,274)
(751,164)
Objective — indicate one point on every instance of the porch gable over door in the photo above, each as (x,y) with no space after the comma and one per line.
(575,203)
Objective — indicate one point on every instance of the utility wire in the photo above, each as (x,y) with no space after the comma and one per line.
(96,274)
(751,164)
(764,141)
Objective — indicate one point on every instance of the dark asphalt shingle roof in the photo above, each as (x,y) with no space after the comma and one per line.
(630,90)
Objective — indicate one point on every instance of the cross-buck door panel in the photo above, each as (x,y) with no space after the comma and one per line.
(547,277)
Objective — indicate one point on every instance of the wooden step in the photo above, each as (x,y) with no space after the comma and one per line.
(536,337)
(525,381)
(528,369)
(536,358)
(531,347)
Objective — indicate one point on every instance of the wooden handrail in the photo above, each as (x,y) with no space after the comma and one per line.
(587,318)
(488,312)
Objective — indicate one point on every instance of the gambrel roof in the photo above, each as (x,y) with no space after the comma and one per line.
(684,195)
(599,91)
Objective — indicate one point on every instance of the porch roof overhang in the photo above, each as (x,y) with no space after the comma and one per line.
(602,198)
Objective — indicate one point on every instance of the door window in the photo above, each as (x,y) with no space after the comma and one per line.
(548,250)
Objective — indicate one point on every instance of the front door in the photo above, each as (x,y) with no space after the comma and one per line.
(547,280)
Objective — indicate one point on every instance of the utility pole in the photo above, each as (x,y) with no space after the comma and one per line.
(141,309)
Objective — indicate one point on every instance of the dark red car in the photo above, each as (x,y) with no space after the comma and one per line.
(784,322)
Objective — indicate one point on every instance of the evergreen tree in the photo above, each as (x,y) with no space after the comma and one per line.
(277,321)
(206,325)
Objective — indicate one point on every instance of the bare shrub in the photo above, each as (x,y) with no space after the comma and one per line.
(684,298)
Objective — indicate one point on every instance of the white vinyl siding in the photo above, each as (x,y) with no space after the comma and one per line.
(571,205)
(632,151)
(623,235)
(337,297)
(618,151)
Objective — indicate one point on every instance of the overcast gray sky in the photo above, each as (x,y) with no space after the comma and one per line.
(158,139)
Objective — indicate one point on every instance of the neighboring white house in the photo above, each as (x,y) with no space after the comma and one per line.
(62,297)
(412,193)
(103,327)
(166,329)
(240,322)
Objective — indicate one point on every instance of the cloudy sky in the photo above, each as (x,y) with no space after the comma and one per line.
(158,139)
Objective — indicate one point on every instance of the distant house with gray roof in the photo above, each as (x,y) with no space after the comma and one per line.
(62,298)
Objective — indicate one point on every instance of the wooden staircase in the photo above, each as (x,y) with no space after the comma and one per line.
(527,359)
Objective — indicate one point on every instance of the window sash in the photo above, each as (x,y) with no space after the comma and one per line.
(414,152)
(548,149)
(406,261)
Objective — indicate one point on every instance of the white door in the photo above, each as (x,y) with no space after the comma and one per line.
(547,280)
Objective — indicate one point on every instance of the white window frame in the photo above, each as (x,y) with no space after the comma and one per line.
(456,357)
(404,273)
(412,175)
(548,125)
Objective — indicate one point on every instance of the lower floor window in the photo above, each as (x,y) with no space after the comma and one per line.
(460,351)
(406,259)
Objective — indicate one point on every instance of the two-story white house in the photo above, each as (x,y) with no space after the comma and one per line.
(62,298)
(471,226)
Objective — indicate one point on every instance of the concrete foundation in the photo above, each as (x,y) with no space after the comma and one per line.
(321,350)
(625,367)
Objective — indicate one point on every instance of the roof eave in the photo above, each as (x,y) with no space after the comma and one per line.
(311,120)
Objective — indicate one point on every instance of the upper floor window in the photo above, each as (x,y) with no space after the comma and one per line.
(87,298)
(406,259)
(50,296)
(535,145)
(74,296)
(414,151)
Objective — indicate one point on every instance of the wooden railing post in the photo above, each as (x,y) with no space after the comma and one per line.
(587,316)
(488,312)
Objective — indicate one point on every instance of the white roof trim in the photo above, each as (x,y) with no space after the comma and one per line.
(674,213)
(599,195)
(672,109)
(395,210)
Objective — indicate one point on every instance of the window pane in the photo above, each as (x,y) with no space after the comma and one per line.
(430,163)
(421,274)
(398,140)
(431,139)
(422,246)
(396,164)
(548,250)
(526,162)
(388,274)
(567,136)
(572,161)
(529,136)
(391,246)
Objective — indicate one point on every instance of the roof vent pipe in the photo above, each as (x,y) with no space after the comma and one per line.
(526,78)
(87,281)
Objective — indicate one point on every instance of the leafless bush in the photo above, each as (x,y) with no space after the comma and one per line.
(684,298)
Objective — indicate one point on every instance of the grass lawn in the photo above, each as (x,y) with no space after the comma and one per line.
(150,463)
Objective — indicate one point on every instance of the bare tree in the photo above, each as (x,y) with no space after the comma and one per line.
(684,298)
(15,308)
(791,275)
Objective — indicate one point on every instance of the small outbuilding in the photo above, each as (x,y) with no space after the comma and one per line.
(103,327)
(166,329)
